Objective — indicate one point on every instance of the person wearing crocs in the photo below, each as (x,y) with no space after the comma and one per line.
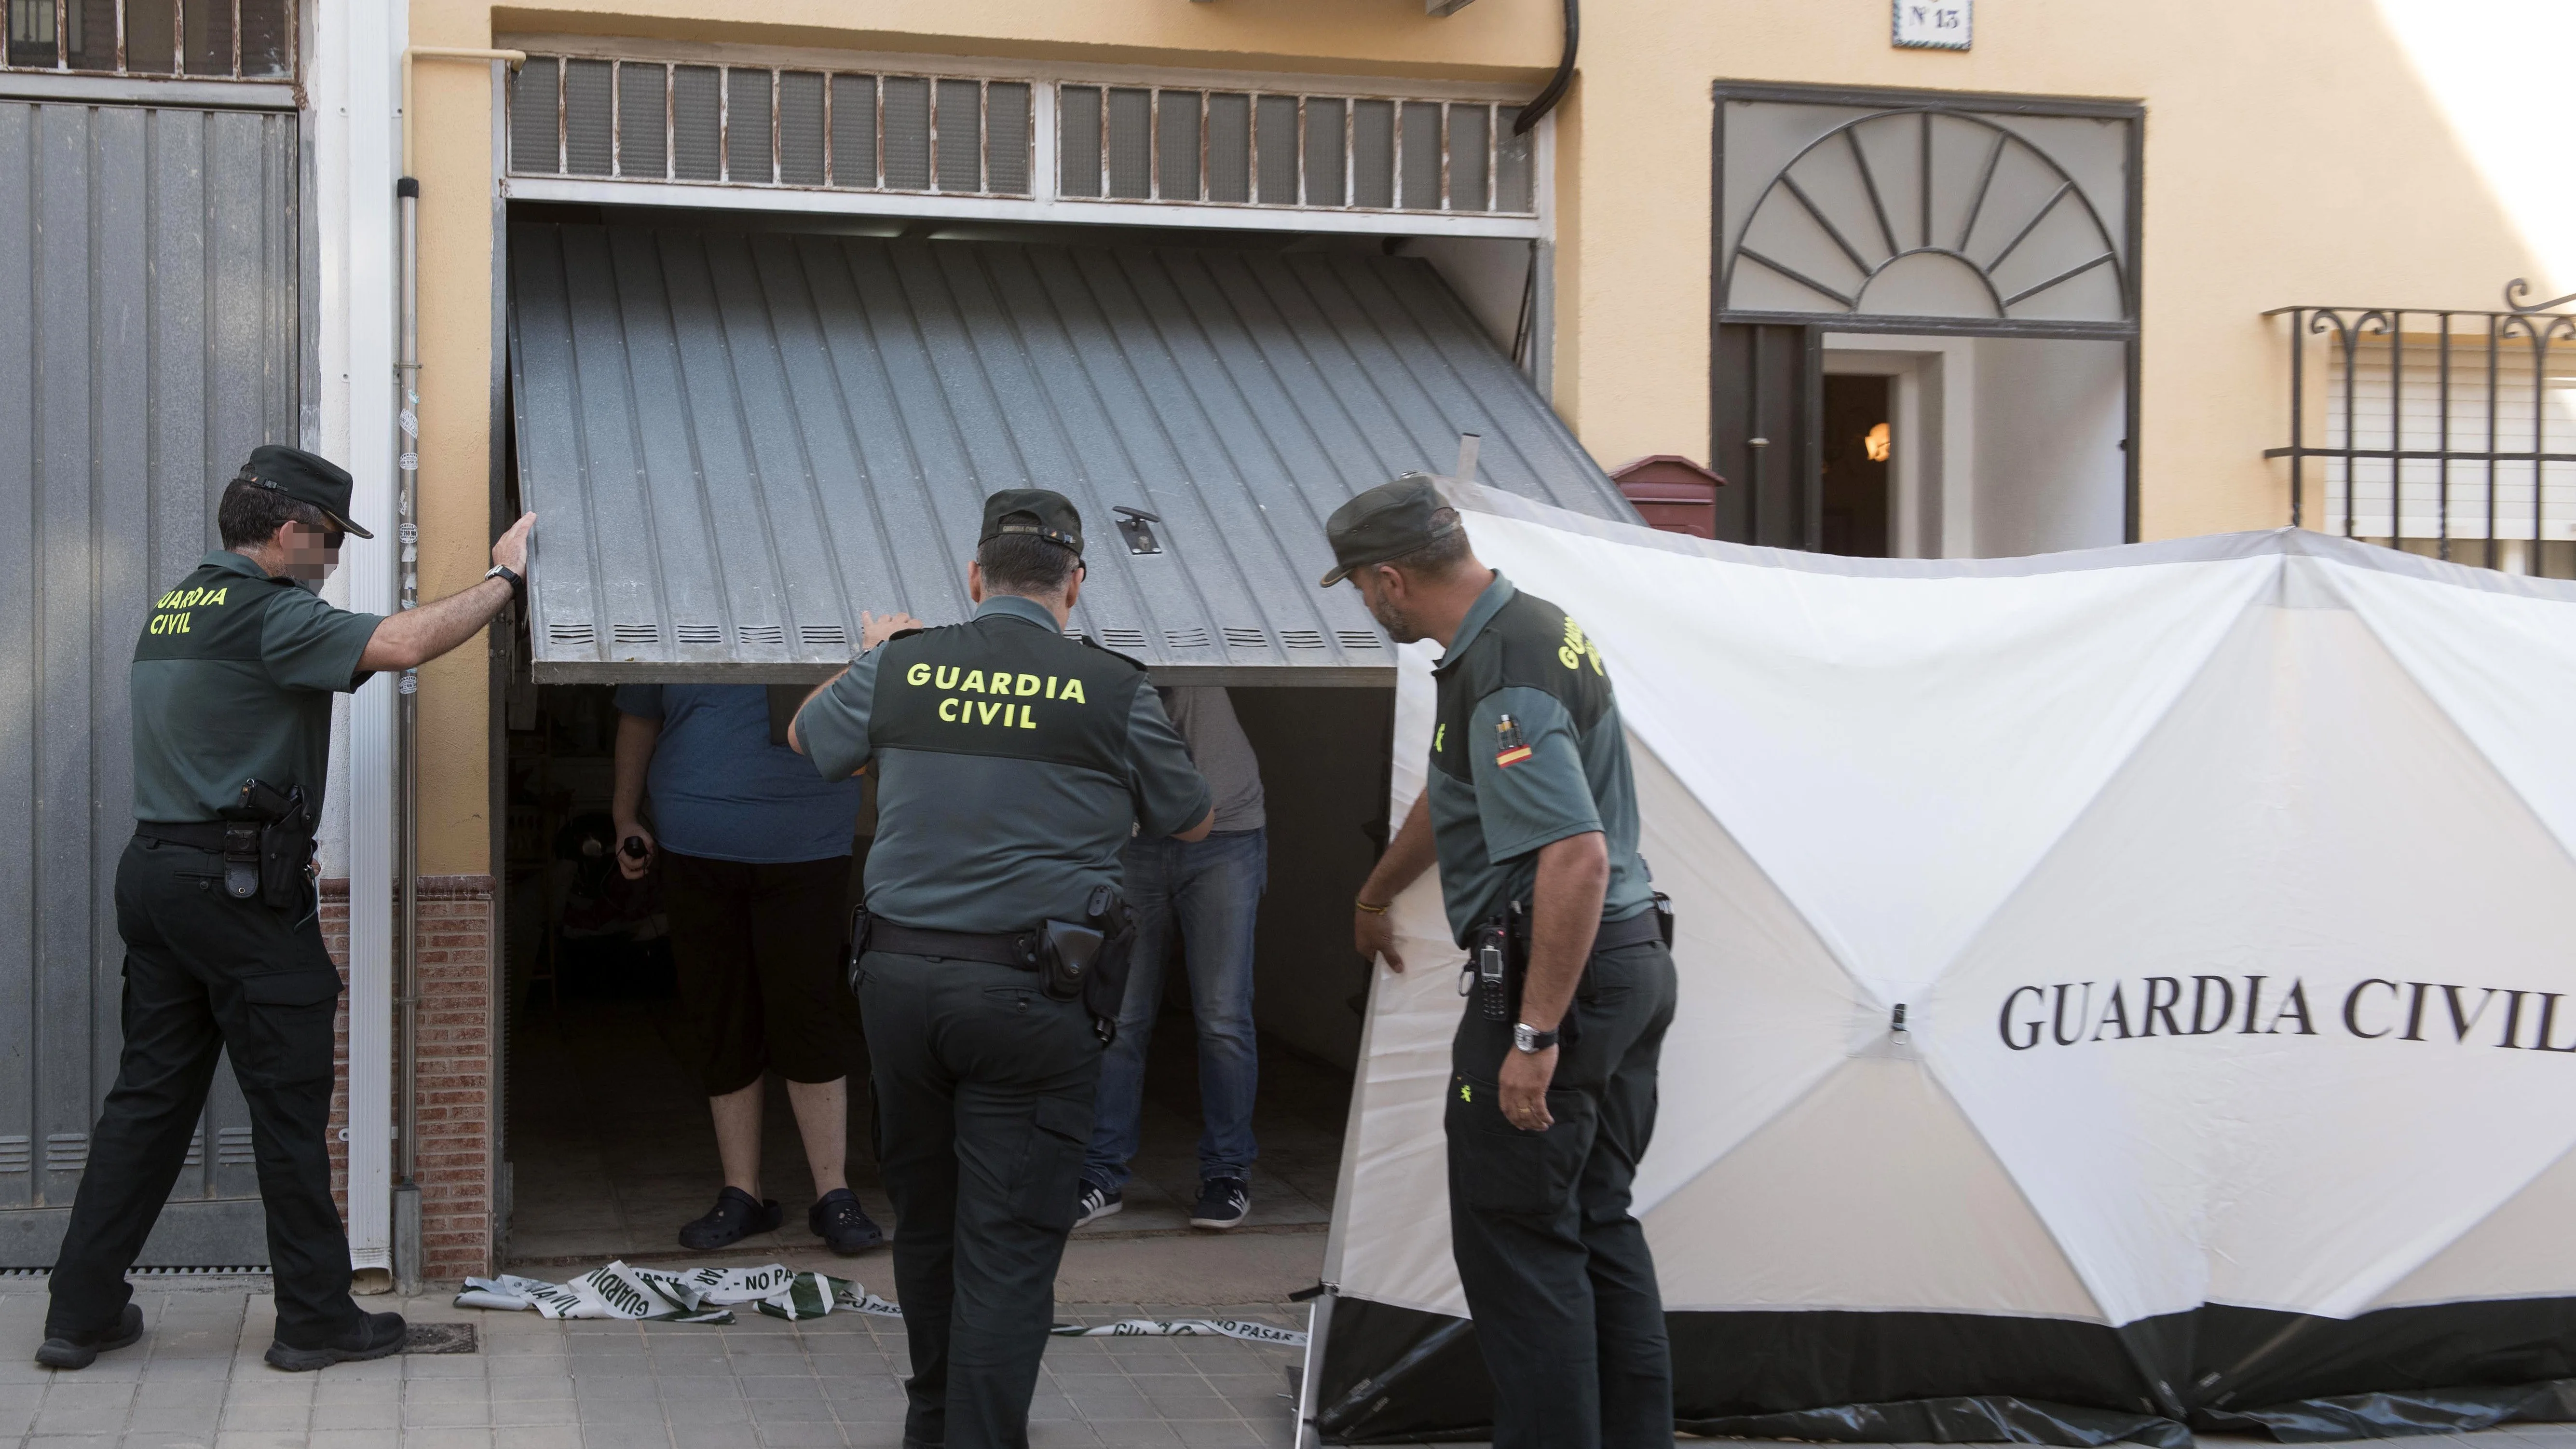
(232,682)
(1012,765)
(755,858)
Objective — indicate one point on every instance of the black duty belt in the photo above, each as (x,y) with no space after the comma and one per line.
(194,834)
(1637,930)
(1014,948)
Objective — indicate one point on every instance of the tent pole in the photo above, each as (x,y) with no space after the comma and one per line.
(1319,1319)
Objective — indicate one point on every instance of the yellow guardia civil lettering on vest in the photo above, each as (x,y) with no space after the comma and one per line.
(997,695)
(1577,648)
(170,611)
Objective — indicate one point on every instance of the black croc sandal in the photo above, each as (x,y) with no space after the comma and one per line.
(842,1224)
(736,1216)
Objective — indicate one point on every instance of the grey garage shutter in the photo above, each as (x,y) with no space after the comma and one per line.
(148,340)
(738,443)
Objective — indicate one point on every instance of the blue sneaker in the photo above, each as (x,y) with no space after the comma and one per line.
(1224,1202)
(1096,1202)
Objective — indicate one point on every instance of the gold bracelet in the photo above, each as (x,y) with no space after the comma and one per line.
(1372,910)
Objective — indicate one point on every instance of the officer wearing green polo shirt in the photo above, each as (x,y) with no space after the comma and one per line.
(1012,764)
(1530,810)
(231,697)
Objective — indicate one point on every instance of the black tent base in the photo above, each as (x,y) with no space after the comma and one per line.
(2394,1415)
(1984,1419)
(1402,1376)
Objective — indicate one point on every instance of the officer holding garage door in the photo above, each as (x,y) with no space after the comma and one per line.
(1013,765)
(232,684)
(1532,813)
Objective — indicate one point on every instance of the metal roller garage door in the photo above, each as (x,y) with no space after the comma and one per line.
(148,340)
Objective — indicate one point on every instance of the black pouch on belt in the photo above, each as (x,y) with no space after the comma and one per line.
(268,845)
(1487,975)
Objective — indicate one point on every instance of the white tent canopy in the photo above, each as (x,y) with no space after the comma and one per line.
(2224,888)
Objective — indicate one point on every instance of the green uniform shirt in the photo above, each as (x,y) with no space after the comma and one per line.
(232,681)
(1002,797)
(1526,750)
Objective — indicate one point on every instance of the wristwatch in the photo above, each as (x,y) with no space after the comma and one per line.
(507,575)
(1528,1038)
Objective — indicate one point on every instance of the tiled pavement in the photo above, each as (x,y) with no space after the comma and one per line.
(197,1381)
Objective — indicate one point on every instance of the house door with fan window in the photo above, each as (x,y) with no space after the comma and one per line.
(1926,321)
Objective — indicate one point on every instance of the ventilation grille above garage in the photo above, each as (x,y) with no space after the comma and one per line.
(1020,146)
(1366,153)
(738,125)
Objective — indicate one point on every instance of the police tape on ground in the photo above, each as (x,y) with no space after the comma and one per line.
(700,1295)
(710,1295)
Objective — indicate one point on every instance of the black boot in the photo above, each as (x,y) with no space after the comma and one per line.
(381,1334)
(80,1350)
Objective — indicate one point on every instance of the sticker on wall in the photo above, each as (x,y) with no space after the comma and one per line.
(1934,24)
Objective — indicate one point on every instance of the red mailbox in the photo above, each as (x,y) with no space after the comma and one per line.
(1671,493)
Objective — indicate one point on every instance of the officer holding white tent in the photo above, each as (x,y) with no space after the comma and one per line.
(1531,811)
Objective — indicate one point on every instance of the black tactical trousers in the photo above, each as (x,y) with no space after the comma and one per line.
(206,974)
(1557,1274)
(983,1092)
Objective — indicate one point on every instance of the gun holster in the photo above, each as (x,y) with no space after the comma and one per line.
(268,845)
(858,946)
(1086,960)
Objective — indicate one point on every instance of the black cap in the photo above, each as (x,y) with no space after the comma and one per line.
(1388,521)
(306,478)
(1040,511)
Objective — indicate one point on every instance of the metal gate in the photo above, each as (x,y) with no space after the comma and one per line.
(148,340)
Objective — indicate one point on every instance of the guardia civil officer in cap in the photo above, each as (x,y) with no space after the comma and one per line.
(1530,809)
(1012,766)
(231,695)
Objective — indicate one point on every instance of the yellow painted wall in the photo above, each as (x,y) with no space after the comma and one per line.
(2292,155)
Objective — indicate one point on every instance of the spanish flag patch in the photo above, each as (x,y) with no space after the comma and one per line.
(1509,749)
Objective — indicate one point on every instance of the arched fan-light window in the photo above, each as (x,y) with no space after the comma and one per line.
(1989,215)
(2008,220)
(1930,214)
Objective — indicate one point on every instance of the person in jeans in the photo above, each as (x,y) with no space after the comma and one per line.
(1210,890)
(755,855)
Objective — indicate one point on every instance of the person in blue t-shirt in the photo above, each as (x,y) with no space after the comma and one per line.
(755,858)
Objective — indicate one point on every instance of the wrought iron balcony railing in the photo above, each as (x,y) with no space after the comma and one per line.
(2444,432)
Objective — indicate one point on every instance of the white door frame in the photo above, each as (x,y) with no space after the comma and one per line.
(1934,444)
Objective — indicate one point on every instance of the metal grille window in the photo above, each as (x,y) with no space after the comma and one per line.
(1137,143)
(742,125)
(2441,432)
(195,39)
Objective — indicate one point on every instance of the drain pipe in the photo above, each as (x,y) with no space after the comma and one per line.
(406,1190)
(1545,101)
(407,753)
